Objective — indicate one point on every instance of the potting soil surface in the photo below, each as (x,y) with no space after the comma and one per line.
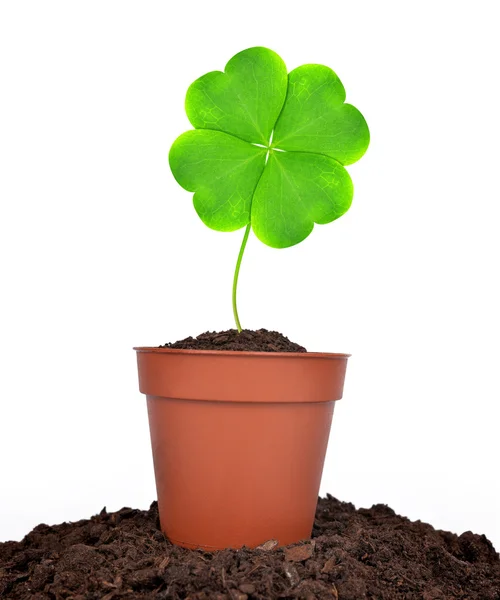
(353,554)
(245,341)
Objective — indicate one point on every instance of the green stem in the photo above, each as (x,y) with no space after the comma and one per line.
(236,273)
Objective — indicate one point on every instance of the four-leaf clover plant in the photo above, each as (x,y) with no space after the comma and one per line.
(269,149)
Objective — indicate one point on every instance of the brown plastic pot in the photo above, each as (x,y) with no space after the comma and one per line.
(239,441)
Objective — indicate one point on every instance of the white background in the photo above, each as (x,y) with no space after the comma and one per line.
(101,250)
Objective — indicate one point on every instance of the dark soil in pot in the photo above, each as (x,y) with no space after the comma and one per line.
(245,341)
(354,554)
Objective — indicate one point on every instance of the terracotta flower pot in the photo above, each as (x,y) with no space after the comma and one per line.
(239,440)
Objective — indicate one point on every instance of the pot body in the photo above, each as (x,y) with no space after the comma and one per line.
(239,441)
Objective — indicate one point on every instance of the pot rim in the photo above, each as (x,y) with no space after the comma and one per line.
(261,354)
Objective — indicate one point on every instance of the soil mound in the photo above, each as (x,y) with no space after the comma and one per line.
(353,555)
(246,341)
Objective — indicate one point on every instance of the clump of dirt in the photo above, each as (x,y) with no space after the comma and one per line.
(353,555)
(245,341)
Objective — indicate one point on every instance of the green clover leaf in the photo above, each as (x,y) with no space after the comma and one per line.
(223,171)
(232,160)
(245,100)
(296,190)
(315,118)
(268,149)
